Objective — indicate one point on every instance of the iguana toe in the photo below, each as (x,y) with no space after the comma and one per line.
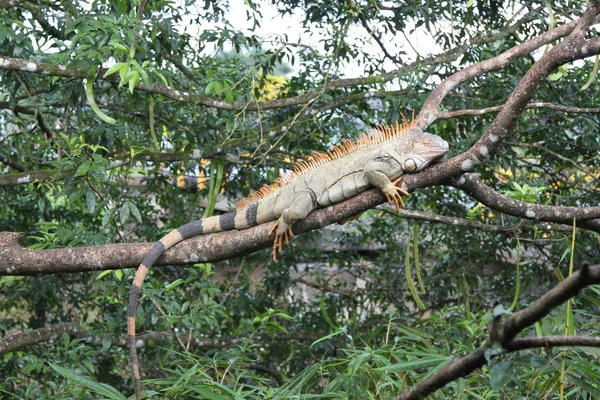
(283,234)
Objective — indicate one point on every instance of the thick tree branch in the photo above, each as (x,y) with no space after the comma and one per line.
(429,110)
(16,260)
(586,217)
(506,332)
(549,342)
(17,340)
(455,221)
(572,48)
(487,110)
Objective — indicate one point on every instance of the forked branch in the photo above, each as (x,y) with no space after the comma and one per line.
(505,332)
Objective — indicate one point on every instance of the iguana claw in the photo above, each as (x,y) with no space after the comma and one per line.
(286,234)
(394,197)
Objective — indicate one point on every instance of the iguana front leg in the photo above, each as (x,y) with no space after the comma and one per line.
(391,189)
(300,206)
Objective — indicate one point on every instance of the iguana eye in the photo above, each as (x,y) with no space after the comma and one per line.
(410,164)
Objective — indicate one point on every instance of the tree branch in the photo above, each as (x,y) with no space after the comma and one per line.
(506,331)
(549,342)
(429,110)
(586,217)
(455,221)
(573,48)
(41,175)
(487,110)
(10,63)
(17,340)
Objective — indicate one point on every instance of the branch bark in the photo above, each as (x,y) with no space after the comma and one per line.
(586,217)
(537,105)
(505,333)
(17,340)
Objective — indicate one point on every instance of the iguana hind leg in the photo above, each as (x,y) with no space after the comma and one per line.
(300,207)
(285,235)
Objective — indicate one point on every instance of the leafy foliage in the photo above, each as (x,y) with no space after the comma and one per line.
(337,316)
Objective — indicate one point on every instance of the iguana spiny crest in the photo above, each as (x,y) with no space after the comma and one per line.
(372,160)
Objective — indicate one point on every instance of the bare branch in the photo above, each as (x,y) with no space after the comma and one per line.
(429,110)
(327,288)
(17,340)
(487,110)
(587,217)
(41,175)
(44,23)
(549,342)
(455,221)
(506,332)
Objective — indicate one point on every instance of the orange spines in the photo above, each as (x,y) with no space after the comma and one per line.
(380,134)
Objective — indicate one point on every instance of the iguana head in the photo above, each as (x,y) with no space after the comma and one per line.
(423,149)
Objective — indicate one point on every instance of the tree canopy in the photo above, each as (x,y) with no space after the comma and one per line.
(122,120)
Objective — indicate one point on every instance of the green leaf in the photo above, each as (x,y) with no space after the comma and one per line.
(119,274)
(135,78)
(115,68)
(120,47)
(106,218)
(125,211)
(593,74)
(161,77)
(500,310)
(102,274)
(136,213)
(96,387)
(90,200)
(501,374)
(83,168)
(123,74)
(409,280)
(173,285)
(591,389)
(493,351)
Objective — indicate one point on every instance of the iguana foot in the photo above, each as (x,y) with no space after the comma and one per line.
(393,193)
(285,233)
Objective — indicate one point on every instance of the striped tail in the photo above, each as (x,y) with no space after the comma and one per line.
(208,225)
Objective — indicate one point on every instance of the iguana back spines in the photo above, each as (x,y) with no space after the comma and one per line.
(380,134)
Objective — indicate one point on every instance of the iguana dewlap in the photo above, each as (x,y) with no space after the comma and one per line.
(327,178)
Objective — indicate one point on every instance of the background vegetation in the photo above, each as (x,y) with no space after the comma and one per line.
(121,120)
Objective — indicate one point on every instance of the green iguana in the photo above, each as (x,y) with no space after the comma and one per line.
(326,178)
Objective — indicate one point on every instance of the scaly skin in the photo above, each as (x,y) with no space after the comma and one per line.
(351,168)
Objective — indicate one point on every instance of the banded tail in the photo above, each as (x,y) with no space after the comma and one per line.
(241,219)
